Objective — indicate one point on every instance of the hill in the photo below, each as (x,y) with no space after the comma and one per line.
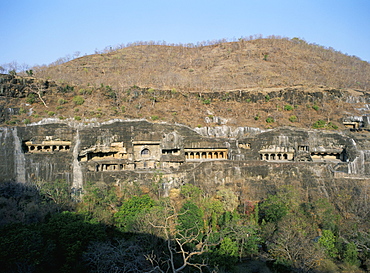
(219,66)
(264,83)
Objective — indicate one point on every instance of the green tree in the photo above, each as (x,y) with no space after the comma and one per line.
(213,209)
(71,233)
(273,208)
(191,191)
(190,218)
(99,202)
(228,250)
(131,209)
(24,247)
(327,241)
(351,254)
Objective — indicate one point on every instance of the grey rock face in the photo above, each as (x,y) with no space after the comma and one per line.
(125,151)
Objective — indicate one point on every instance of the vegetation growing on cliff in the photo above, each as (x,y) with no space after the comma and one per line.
(289,81)
(126,229)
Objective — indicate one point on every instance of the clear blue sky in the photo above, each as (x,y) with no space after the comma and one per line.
(41,31)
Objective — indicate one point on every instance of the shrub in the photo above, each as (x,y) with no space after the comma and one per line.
(78,100)
(257,117)
(77,118)
(319,124)
(59,107)
(62,101)
(154,117)
(293,118)
(31,98)
(51,113)
(22,110)
(270,120)
(333,126)
(26,121)
(322,124)
(66,89)
(29,72)
(83,91)
(315,107)
(206,101)
(288,107)
(267,98)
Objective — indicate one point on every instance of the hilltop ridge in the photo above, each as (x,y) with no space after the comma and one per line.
(223,66)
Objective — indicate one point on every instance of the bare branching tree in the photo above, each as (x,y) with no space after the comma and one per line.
(180,254)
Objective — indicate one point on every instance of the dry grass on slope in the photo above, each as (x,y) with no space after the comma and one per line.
(222,66)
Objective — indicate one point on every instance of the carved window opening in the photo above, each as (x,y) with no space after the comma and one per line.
(244,145)
(206,154)
(145,152)
(303,148)
(171,151)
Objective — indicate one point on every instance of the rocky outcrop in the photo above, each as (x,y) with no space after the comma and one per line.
(125,151)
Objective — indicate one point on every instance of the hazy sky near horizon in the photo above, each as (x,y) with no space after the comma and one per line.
(39,31)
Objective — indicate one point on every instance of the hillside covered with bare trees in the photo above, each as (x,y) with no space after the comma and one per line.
(258,82)
(214,66)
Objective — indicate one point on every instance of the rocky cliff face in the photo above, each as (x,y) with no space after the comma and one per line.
(245,159)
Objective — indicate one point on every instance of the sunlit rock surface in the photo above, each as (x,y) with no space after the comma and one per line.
(125,151)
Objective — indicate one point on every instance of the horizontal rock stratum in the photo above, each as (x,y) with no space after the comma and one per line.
(172,155)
